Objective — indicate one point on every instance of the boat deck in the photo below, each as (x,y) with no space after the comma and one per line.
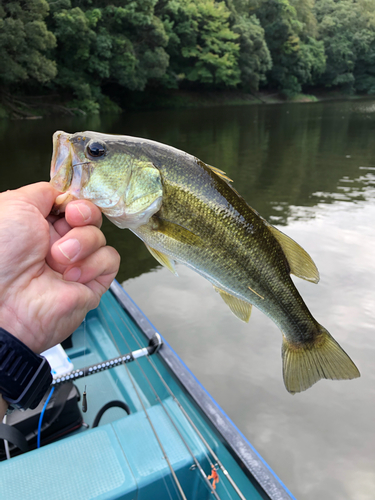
(126,456)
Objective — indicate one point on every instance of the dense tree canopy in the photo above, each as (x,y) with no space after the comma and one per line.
(297,57)
(24,39)
(99,42)
(346,28)
(203,48)
(81,48)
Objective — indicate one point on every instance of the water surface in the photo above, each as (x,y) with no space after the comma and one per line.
(310,170)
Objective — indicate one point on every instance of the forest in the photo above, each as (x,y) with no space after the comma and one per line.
(96,55)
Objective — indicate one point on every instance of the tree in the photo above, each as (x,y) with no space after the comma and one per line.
(24,41)
(346,28)
(297,57)
(201,46)
(306,16)
(364,71)
(100,42)
(254,57)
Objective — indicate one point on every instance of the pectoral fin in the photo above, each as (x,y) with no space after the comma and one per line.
(238,307)
(176,232)
(300,262)
(163,259)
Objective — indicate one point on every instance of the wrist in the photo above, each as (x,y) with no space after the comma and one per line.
(24,376)
(8,321)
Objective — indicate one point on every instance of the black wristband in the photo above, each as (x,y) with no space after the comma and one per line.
(24,376)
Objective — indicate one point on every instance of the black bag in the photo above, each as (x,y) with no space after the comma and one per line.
(61,416)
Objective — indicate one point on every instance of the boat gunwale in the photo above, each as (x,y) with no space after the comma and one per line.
(251,462)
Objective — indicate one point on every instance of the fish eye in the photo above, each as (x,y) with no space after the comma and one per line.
(96,149)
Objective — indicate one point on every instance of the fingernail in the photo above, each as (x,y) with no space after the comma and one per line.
(84,210)
(73,274)
(70,248)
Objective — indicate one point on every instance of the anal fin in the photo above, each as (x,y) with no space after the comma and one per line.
(163,259)
(238,307)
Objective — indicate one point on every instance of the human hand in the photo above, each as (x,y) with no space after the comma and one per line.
(53,270)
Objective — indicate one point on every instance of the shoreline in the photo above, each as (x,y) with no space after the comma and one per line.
(182,99)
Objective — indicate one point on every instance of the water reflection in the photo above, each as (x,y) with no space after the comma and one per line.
(320,441)
(309,169)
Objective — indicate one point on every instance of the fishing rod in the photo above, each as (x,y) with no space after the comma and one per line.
(196,462)
(154,345)
(210,450)
(165,456)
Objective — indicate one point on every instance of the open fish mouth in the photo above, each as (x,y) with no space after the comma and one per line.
(61,164)
(66,171)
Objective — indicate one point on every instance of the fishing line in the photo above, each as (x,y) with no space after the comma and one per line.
(176,481)
(83,163)
(211,451)
(42,415)
(84,395)
(213,454)
(204,475)
(196,461)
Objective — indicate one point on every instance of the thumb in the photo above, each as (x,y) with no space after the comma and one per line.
(42,195)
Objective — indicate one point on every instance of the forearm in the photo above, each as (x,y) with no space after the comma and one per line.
(3,408)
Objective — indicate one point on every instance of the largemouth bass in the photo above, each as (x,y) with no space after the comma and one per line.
(186,211)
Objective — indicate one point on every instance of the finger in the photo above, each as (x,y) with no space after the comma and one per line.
(83,213)
(55,235)
(76,245)
(42,195)
(53,218)
(61,227)
(97,271)
(58,228)
(80,213)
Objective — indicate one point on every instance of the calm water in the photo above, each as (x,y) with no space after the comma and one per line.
(310,170)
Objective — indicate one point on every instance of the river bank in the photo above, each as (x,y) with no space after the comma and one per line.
(34,107)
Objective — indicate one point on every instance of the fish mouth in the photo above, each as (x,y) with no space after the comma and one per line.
(66,171)
(61,164)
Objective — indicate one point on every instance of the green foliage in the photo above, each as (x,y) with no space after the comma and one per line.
(202,46)
(100,42)
(297,57)
(364,71)
(347,30)
(254,59)
(84,49)
(24,40)
(306,16)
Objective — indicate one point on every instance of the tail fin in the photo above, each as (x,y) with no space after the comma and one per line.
(303,365)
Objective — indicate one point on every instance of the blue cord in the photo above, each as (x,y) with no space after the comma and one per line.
(42,414)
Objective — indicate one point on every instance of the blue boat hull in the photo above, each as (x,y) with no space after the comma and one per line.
(127,456)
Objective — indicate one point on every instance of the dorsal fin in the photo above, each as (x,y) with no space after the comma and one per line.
(300,262)
(238,307)
(163,259)
(219,172)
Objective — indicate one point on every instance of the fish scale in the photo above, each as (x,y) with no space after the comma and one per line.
(186,211)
